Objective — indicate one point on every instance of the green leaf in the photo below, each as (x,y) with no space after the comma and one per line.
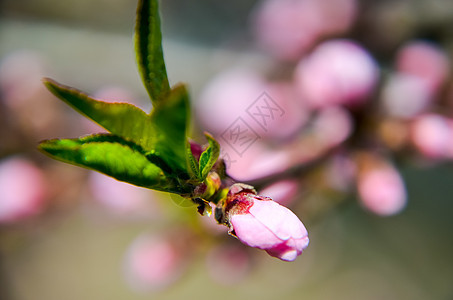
(209,157)
(112,156)
(162,134)
(192,163)
(170,119)
(122,119)
(148,47)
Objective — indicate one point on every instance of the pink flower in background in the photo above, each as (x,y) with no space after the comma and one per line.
(332,126)
(405,96)
(262,223)
(340,173)
(22,190)
(288,28)
(20,77)
(257,161)
(426,61)
(381,190)
(293,117)
(421,69)
(121,198)
(153,263)
(337,72)
(432,135)
(283,192)
(228,264)
(227,96)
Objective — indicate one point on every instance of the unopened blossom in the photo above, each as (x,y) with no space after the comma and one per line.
(332,126)
(424,60)
(381,190)
(153,263)
(283,192)
(226,96)
(289,28)
(260,222)
(23,190)
(431,135)
(258,160)
(337,72)
(405,96)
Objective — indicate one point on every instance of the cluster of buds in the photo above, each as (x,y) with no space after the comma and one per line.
(336,104)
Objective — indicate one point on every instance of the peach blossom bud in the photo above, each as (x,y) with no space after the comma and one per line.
(153,263)
(381,190)
(405,96)
(289,113)
(332,126)
(257,161)
(262,223)
(283,192)
(424,60)
(337,72)
(227,97)
(431,135)
(22,190)
(288,28)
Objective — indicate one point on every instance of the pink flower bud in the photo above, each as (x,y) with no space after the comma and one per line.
(153,263)
(227,97)
(332,126)
(337,72)
(22,190)
(283,192)
(426,61)
(381,190)
(288,28)
(405,96)
(431,135)
(262,223)
(257,161)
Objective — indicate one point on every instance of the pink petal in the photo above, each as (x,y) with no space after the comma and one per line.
(252,232)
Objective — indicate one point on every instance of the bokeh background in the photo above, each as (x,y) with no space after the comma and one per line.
(75,238)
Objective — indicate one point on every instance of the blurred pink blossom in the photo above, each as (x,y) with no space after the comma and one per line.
(337,72)
(381,190)
(332,126)
(294,114)
(288,28)
(22,190)
(283,192)
(341,172)
(228,264)
(121,198)
(405,96)
(426,61)
(21,75)
(257,161)
(432,135)
(153,263)
(227,98)
(262,223)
